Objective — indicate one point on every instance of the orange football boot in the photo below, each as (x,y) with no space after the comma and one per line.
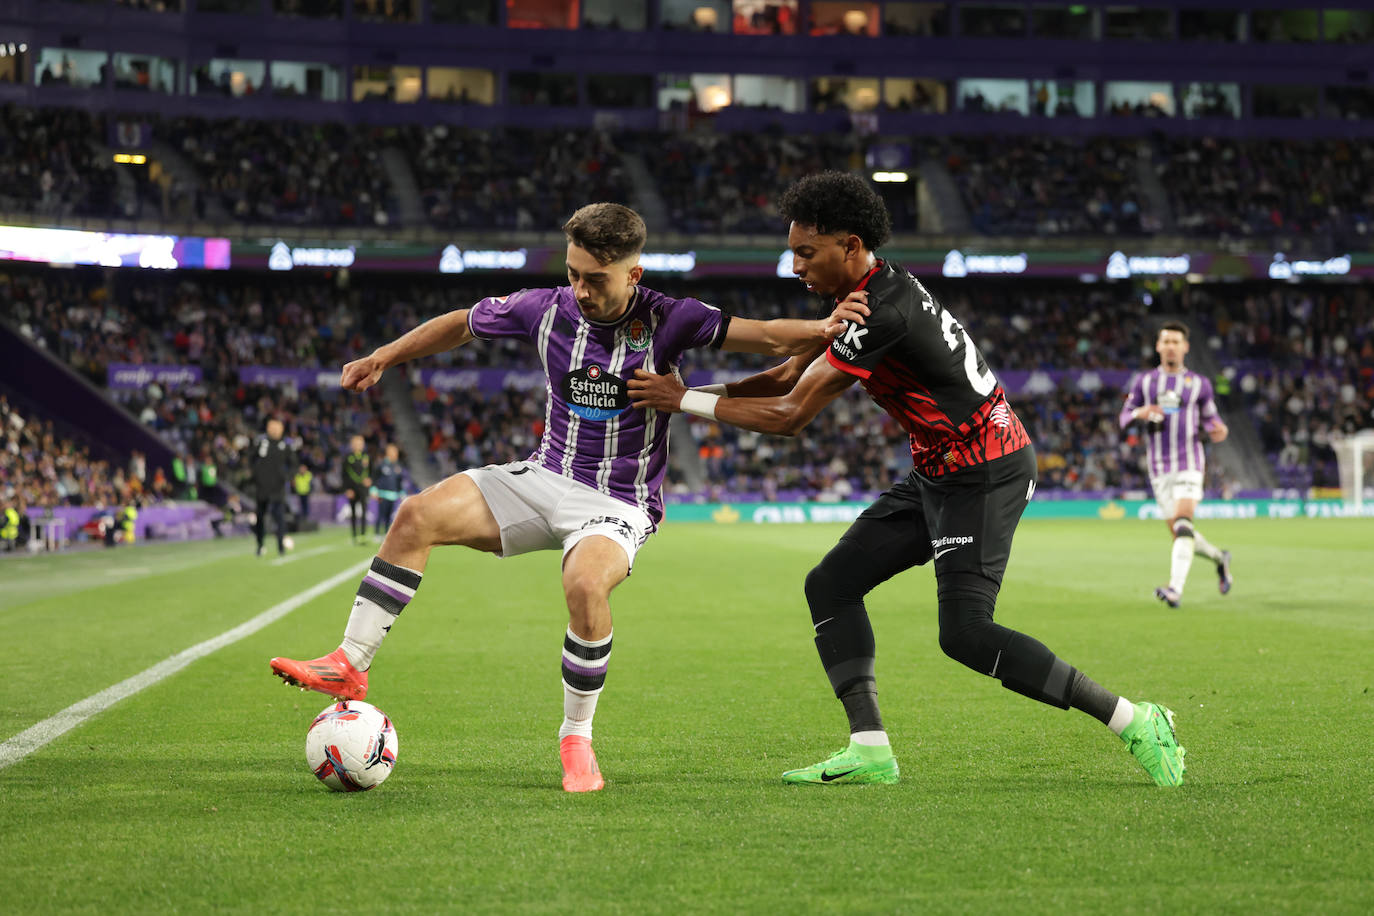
(332,675)
(580,772)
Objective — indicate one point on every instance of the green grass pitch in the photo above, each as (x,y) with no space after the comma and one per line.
(194,796)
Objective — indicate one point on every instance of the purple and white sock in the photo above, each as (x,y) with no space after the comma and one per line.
(584,674)
(382,595)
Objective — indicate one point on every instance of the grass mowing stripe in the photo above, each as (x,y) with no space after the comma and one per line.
(31,739)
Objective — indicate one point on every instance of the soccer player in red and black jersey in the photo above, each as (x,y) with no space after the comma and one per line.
(973,472)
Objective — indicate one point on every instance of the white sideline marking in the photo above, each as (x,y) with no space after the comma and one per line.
(313,552)
(31,739)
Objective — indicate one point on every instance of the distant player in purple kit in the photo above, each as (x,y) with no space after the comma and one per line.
(1175,405)
(591,488)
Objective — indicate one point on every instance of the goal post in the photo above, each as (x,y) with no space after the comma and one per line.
(1355,464)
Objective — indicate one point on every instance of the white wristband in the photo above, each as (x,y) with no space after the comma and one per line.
(699,403)
(713,389)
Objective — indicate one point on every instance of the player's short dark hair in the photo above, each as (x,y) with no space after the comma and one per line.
(1173,326)
(835,202)
(608,232)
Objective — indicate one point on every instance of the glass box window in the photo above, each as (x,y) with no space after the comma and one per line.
(703,91)
(830,93)
(306,9)
(14,62)
(463,85)
(225,76)
(1352,103)
(1211,100)
(1137,22)
(695,15)
(463,12)
(831,18)
(629,15)
(620,90)
(980,21)
(1286,101)
(299,80)
(923,96)
(1062,98)
(1349,26)
(145,73)
(1076,22)
(764,17)
(386,10)
(1138,98)
(542,89)
(989,96)
(1284,25)
(68,67)
(1210,25)
(776,93)
(924,20)
(541,14)
(386,84)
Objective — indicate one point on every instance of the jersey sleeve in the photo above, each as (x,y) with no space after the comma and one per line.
(860,348)
(1207,405)
(697,324)
(1135,397)
(514,316)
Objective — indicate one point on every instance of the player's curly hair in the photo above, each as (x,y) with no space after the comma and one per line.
(609,232)
(838,202)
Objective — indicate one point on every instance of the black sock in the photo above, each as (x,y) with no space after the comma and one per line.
(860,701)
(1091,697)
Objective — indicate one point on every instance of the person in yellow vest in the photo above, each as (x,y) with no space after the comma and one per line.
(9,527)
(300,485)
(128,519)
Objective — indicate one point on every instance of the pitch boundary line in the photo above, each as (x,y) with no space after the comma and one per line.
(312,552)
(15,749)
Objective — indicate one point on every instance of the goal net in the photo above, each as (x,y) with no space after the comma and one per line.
(1355,463)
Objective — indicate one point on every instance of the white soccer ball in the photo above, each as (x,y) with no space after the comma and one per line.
(351,746)
(288,542)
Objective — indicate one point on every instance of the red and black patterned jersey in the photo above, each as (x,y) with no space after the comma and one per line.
(917,362)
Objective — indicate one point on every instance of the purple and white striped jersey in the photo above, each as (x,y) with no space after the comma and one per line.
(591,434)
(1186,399)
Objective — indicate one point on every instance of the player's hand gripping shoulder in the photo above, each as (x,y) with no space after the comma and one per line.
(791,336)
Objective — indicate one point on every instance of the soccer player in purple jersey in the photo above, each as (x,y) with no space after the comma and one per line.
(1175,405)
(591,489)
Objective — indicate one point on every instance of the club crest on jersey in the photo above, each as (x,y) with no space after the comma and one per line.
(592,393)
(637,335)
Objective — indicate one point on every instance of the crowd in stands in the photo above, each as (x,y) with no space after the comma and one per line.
(44,468)
(1048,186)
(713,182)
(47,164)
(1300,360)
(288,172)
(1316,190)
(708,182)
(512,179)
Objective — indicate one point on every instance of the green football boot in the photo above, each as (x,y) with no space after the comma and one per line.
(1151,739)
(857,763)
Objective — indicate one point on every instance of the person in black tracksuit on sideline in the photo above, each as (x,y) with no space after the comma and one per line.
(389,488)
(273,462)
(357,480)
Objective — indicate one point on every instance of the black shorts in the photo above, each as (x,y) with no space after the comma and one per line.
(964,520)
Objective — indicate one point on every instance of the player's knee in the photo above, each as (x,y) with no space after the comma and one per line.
(1183,527)
(584,589)
(821,585)
(967,633)
(413,518)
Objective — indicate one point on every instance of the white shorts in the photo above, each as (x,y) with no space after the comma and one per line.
(540,510)
(1170,488)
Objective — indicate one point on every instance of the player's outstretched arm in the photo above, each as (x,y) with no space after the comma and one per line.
(773,382)
(795,336)
(780,416)
(434,336)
